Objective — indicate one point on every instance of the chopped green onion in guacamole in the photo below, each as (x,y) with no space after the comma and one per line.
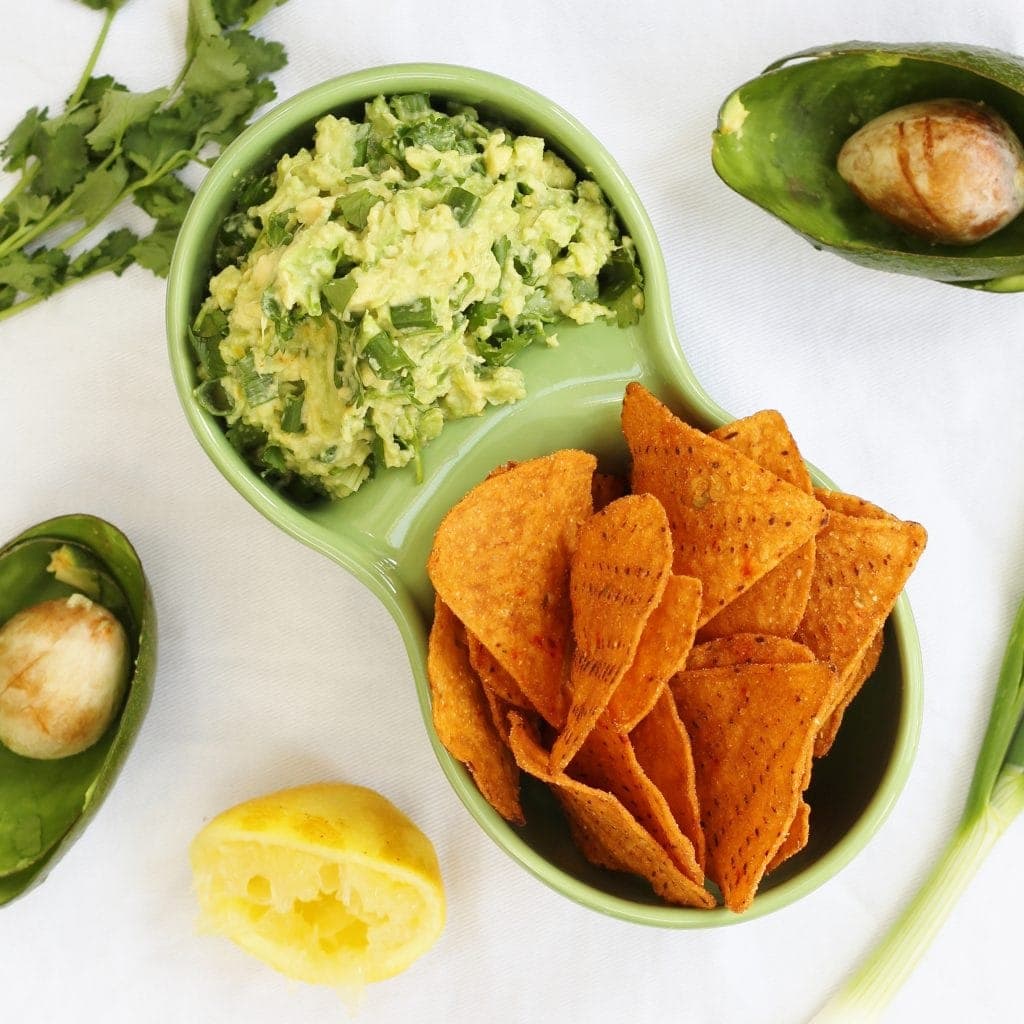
(384,280)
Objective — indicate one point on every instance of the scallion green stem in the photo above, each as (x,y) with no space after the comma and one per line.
(866,993)
(996,797)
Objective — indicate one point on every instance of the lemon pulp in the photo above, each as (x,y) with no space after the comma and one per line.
(329,884)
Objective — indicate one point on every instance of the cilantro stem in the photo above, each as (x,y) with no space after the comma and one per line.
(18,307)
(94,56)
(54,218)
(32,300)
(179,160)
(110,146)
(21,185)
(995,799)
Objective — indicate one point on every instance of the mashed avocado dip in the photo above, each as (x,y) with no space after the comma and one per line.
(381,282)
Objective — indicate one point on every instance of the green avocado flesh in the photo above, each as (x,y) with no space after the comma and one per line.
(779,135)
(383,280)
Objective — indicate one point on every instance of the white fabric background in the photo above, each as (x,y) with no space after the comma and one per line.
(276,668)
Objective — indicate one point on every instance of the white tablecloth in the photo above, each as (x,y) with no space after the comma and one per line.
(277,668)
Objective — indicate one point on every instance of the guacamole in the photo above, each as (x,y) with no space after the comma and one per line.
(382,282)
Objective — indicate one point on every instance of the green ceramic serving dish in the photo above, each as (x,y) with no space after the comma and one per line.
(383,533)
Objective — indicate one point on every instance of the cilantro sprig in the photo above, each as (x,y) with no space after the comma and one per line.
(110,146)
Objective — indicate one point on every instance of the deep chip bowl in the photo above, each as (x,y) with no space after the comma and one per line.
(383,533)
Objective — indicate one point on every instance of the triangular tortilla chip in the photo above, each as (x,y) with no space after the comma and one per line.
(776,602)
(731,520)
(619,570)
(860,675)
(462,718)
(850,504)
(765,438)
(493,676)
(797,837)
(762,649)
(500,561)
(661,653)
(662,747)
(749,649)
(499,709)
(752,729)
(862,563)
(606,833)
(607,761)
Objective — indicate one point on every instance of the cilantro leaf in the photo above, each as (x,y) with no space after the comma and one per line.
(113,253)
(169,133)
(260,56)
(621,287)
(62,153)
(23,210)
(99,191)
(40,272)
(167,199)
(118,109)
(216,67)
(111,145)
(234,110)
(18,145)
(248,12)
(153,251)
(95,88)
(277,230)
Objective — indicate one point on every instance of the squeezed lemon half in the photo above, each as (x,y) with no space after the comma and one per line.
(328,883)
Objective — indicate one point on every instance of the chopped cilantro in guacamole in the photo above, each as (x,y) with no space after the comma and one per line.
(384,280)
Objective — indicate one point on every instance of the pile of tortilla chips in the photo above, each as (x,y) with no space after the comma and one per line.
(669,657)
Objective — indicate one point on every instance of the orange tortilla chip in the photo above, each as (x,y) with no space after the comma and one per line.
(776,602)
(865,667)
(607,761)
(462,717)
(493,676)
(619,571)
(765,438)
(749,649)
(607,488)
(731,520)
(862,564)
(661,653)
(850,504)
(752,729)
(499,709)
(662,747)
(606,833)
(796,839)
(500,561)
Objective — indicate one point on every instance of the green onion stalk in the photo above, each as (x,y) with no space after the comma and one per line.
(996,797)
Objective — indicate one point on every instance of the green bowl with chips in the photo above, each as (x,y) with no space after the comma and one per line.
(383,533)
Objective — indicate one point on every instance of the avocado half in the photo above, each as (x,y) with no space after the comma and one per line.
(45,805)
(779,134)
